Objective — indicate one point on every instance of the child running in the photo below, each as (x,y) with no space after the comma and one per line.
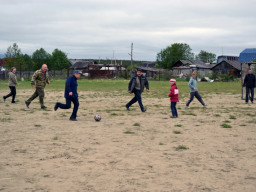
(174,97)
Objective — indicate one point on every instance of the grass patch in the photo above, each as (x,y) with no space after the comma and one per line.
(129,132)
(227,121)
(55,138)
(217,115)
(242,125)
(226,125)
(188,113)
(251,115)
(177,132)
(160,143)
(136,124)
(179,125)
(37,125)
(232,117)
(182,147)
(115,114)
(5,119)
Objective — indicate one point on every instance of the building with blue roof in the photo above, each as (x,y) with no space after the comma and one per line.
(247,55)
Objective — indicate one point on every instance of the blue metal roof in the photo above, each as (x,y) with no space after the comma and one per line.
(247,55)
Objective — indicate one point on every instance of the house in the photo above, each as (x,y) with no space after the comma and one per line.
(226,57)
(228,67)
(247,55)
(148,69)
(186,67)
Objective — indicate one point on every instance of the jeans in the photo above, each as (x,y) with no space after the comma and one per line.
(195,94)
(174,110)
(68,106)
(12,93)
(136,98)
(249,89)
(38,92)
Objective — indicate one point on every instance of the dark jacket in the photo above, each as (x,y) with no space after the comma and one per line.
(249,80)
(174,93)
(144,82)
(71,86)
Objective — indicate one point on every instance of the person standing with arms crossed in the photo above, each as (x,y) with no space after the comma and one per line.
(12,85)
(194,91)
(249,83)
(71,95)
(39,80)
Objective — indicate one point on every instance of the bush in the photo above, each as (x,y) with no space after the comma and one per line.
(225,77)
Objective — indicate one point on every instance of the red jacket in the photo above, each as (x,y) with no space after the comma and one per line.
(174,93)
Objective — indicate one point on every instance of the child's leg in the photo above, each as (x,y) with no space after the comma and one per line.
(173,109)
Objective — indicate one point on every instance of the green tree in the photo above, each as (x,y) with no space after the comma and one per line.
(14,57)
(206,57)
(28,63)
(40,57)
(59,60)
(171,54)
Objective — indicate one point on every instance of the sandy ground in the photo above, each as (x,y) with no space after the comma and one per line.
(41,150)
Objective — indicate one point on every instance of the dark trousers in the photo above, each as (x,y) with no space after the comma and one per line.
(68,106)
(174,110)
(136,98)
(12,93)
(248,90)
(195,94)
(38,92)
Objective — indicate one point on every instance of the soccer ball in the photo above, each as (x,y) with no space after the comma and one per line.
(97,117)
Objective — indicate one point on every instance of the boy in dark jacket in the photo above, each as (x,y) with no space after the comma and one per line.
(136,86)
(249,83)
(174,97)
(71,95)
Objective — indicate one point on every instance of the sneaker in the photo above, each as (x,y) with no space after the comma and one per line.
(187,106)
(43,107)
(127,108)
(3,98)
(13,101)
(205,105)
(72,119)
(27,104)
(246,102)
(252,101)
(55,107)
(144,110)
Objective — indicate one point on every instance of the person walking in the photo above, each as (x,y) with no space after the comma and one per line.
(71,95)
(136,86)
(174,97)
(39,80)
(194,91)
(249,83)
(12,85)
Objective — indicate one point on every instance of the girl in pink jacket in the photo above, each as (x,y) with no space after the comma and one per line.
(174,97)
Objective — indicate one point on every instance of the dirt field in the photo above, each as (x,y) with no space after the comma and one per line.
(41,150)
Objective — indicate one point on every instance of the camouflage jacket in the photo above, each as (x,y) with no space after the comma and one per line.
(40,79)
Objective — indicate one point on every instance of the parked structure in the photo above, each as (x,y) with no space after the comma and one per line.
(228,67)
(226,57)
(247,55)
(186,67)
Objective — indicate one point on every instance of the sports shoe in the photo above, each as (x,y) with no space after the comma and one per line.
(27,104)
(72,119)
(3,98)
(13,101)
(205,105)
(144,110)
(187,106)
(43,107)
(55,107)
(127,108)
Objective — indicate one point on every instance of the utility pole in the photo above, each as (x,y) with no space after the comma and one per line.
(131,54)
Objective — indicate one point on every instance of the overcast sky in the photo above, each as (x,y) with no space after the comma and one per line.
(103,28)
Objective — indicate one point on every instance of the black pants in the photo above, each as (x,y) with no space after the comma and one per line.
(137,97)
(195,94)
(249,89)
(68,106)
(12,93)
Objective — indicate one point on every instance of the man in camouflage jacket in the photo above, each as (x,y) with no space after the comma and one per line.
(39,79)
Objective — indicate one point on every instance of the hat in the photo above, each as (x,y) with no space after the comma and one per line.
(78,71)
(172,81)
(139,69)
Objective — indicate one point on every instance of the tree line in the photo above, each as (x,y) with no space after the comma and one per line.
(15,58)
(181,51)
